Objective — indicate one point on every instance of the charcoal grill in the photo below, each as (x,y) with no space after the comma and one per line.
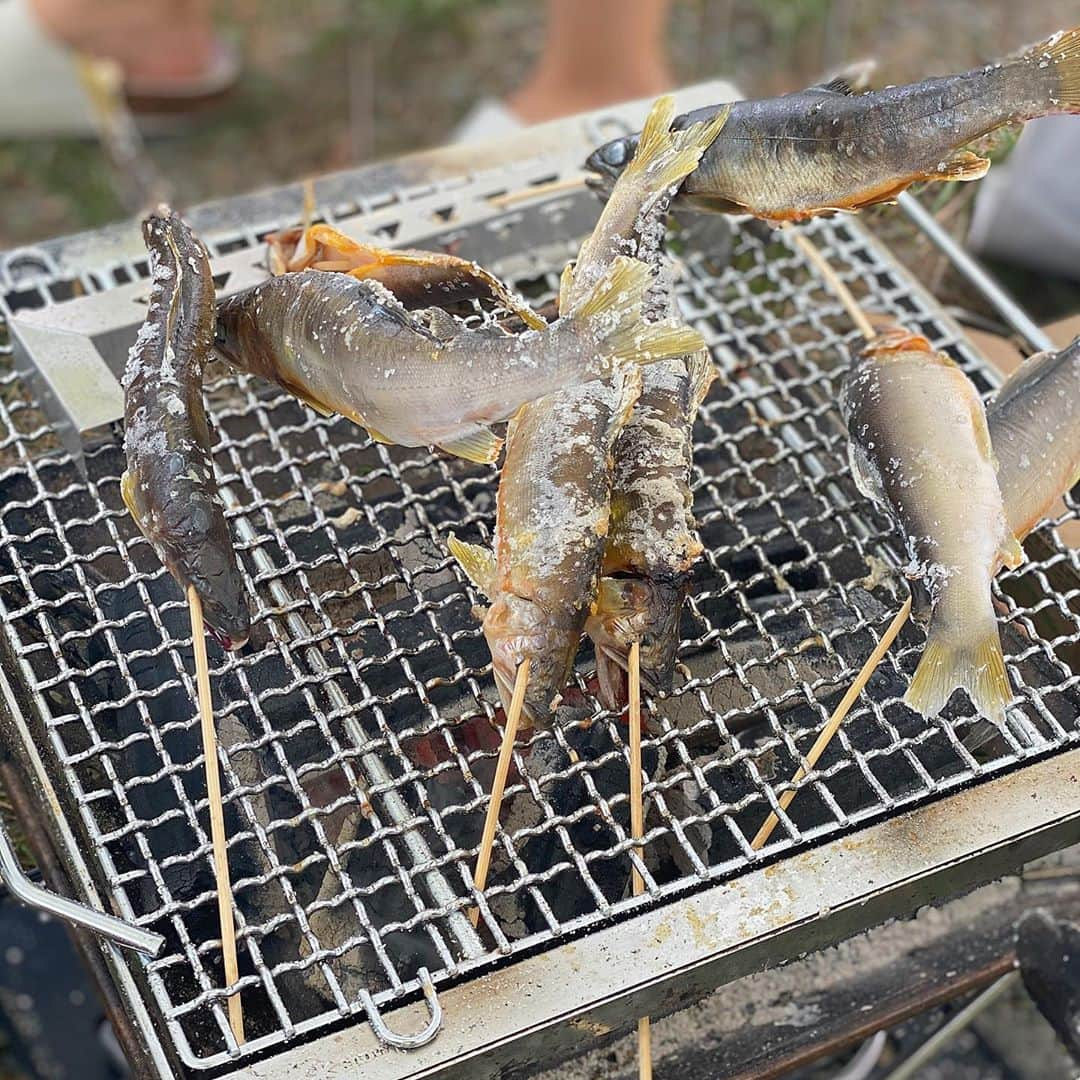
(359,731)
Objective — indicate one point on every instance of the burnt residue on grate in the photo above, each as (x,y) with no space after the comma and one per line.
(359,730)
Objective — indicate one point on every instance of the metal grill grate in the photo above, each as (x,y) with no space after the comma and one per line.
(359,732)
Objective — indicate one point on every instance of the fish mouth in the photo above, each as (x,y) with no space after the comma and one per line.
(227,641)
(504,683)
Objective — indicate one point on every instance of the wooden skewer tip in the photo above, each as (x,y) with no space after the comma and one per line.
(222,882)
(498,785)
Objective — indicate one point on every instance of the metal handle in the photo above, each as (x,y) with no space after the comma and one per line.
(107,926)
(393,1038)
(978,275)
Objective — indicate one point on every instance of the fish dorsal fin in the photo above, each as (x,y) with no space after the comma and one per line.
(443,325)
(1029,372)
(839,84)
(477,562)
(851,79)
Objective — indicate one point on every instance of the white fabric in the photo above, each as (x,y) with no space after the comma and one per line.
(40,90)
(1028,208)
(486,120)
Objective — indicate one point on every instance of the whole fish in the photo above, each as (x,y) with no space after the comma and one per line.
(652,543)
(824,149)
(554,491)
(919,445)
(1035,428)
(169,484)
(417,278)
(347,346)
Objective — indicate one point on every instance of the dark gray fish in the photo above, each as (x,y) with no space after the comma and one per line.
(169,485)
(824,149)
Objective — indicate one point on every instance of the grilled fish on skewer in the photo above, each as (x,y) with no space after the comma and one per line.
(823,149)
(554,491)
(419,279)
(347,346)
(169,484)
(919,445)
(652,543)
(1035,429)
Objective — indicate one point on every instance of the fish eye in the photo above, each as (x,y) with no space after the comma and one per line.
(615,153)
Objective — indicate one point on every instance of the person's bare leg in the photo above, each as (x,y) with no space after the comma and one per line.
(596,52)
(155,42)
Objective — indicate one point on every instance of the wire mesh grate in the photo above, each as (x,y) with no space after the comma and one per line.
(359,731)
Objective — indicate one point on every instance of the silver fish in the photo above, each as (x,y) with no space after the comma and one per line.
(556,480)
(348,346)
(1035,428)
(919,446)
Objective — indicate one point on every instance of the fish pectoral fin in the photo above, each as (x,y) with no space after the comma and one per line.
(443,325)
(478,443)
(477,562)
(127,493)
(713,204)
(1012,554)
(566,284)
(963,165)
(378,436)
(702,371)
(312,403)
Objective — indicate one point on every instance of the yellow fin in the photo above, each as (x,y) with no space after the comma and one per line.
(127,493)
(477,444)
(566,284)
(1012,554)
(669,156)
(477,562)
(378,436)
(978,668)
(702,371)
(1059,58)
(615,302)
(963,165)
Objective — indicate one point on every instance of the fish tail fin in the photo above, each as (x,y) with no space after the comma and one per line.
(1058,59)
(614,307)
(666,157)
(976,666)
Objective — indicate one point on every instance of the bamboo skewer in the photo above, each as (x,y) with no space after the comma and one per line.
(217,815)
(536,191)
(637,829)
(837,718)
(865,327)
(498,785)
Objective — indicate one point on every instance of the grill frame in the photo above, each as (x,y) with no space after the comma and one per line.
(472,208)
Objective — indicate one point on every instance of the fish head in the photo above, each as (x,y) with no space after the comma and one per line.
(895,339)
(635,609)
(234,331)
(193,541)
(606,163)
(517,628)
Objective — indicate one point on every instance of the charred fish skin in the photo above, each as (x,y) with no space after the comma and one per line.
(920,447)
(824,149)
(169,485)
(1035,428)
(554,491)
(653,542)
(348,346)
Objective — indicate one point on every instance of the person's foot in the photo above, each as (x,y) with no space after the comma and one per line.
(163,47)
(548,97)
